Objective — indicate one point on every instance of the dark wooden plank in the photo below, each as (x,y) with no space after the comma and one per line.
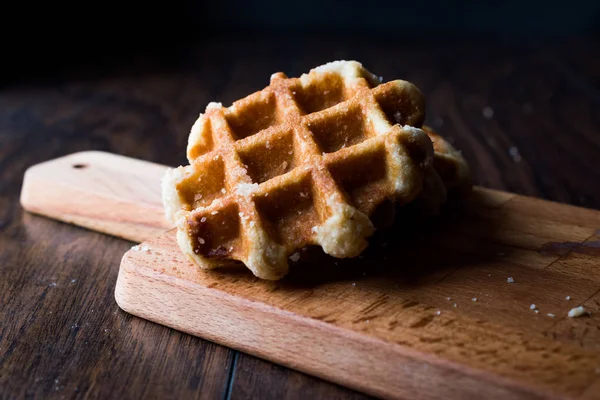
(62,334)
(256,379)
(488,97)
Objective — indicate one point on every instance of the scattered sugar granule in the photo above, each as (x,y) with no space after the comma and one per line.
(214,212)
(532,307)
(216,157)
(135,248)
(367,321)
(145,249)
(203,219)
(474,299)
(73,280)
(448,298)
(303,194)
(454,305)
(197,197)
(438,312)
(537,311)
(251,224)
(568,298)
(268,145)
(314,229)
(201,241)
(551,315)
(223,191)
(380,79)
(245,189)
(514,153)
(295,257)
(353,283)
(576,312)
(510,279)
(53,284)
(284,165)
(488,112)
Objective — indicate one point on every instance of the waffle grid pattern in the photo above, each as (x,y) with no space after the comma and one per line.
(305,161)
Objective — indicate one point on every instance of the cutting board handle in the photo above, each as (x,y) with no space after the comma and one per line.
(105,192)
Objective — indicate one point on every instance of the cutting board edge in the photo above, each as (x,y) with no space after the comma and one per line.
(466,381)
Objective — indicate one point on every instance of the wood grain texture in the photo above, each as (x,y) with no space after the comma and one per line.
(544,97)
(100,191)
(372,323)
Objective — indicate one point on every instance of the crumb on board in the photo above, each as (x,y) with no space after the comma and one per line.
(295,257)
(568,298)
(577,312)
(438,312)
(551,315)
(510,279)
(532,307)
(536,311)
(474,299)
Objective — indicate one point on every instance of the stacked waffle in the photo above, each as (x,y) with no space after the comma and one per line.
(306,161)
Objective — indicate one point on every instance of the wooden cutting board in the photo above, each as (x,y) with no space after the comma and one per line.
(427,312)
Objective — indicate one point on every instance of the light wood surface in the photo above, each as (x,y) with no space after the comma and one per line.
(372,323)
(105,192)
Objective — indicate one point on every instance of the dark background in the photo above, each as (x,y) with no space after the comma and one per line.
(42,39)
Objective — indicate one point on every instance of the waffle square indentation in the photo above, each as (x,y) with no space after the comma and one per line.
(200,188)
(320,94)
(347,129)
(362,176)
(259,112)
(216,234)
(270,157)
(288,212)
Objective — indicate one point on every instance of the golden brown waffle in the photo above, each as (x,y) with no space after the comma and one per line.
(449,179)
(305,161)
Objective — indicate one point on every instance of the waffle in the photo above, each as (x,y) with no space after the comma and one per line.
(304,161)
(448,180)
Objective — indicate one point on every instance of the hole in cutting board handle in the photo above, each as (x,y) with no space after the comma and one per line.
(80,166)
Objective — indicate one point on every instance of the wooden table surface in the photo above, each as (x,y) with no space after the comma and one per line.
(525,114)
